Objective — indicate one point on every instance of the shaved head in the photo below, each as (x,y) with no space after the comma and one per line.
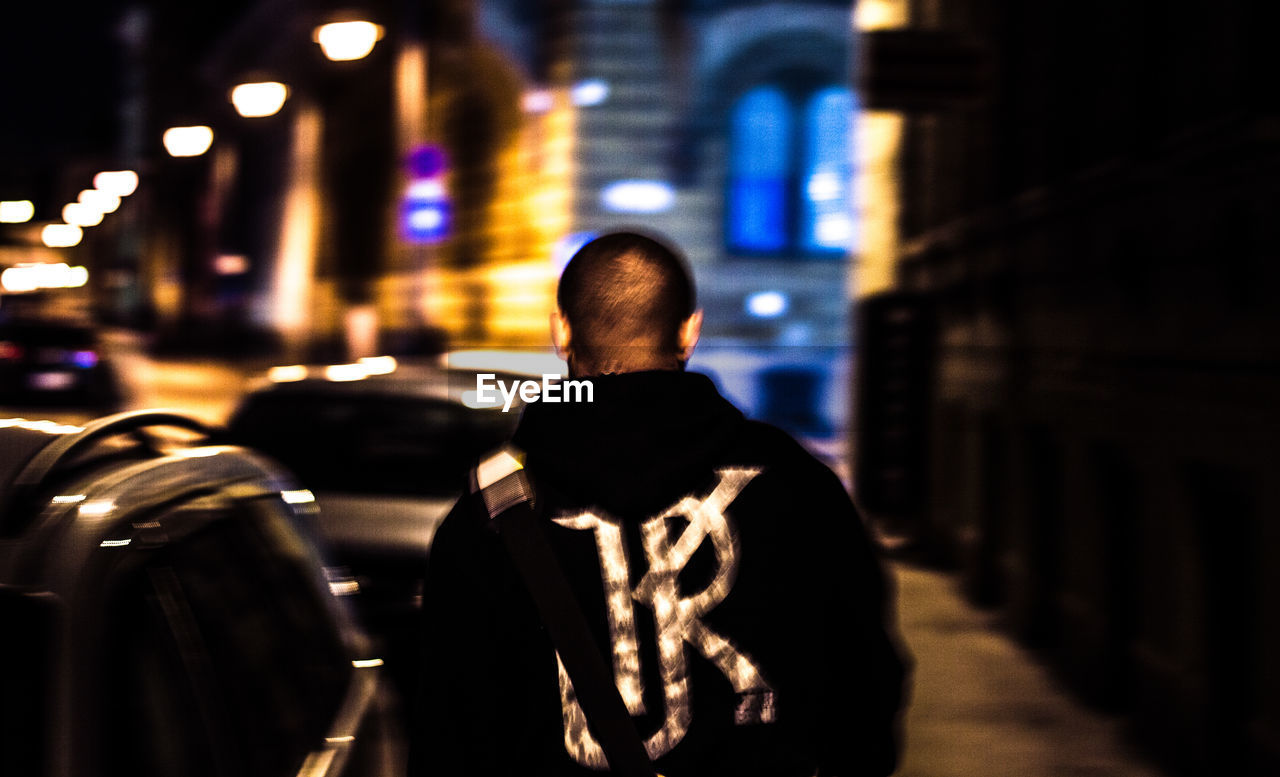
(625,297)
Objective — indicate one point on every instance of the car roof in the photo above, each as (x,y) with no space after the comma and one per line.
(411,381)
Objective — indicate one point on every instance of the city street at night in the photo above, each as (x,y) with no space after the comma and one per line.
(489,388)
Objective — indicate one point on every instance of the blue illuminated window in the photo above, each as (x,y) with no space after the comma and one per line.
(827,222)
(760,170)
(790,172)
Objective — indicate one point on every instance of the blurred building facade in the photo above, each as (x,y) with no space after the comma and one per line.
(1068,389)
(727,127)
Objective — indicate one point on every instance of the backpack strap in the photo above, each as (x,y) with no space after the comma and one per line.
(508,495)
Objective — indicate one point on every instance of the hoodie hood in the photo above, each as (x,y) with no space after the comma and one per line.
(645,439)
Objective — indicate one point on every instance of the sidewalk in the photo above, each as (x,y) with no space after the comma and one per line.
(983,707)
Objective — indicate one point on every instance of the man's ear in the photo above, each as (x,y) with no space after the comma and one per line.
(689,332)
(561,334)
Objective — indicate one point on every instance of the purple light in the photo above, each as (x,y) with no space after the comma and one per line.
(426,161)
(84,359)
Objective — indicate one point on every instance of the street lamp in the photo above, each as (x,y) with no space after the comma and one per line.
(264,98)
(188,141)
(16,211)
(121,183)
(81,215)
(344,41)
(96,199)
(61,235)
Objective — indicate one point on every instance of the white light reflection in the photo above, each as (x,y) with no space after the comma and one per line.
(97,508)
(114,543)
(344,587)
(297,497)
(379,365)
(341,373)
(367,663)
(287,374)
(48,427)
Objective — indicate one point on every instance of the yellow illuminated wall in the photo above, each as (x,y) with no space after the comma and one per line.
(878,140)
(504,300)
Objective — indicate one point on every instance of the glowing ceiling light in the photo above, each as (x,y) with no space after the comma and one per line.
(344,41)
(81,215)
(638,196)
(61,235)
(101,201)
(188,141)
(121,183)
(16,211)
(264,98)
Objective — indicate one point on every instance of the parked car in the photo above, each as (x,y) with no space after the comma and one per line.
(387,454)
(46,362)
(165,610)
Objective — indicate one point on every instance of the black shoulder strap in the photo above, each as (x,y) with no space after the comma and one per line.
(504,486)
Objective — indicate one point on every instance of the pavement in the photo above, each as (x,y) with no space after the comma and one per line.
(983,706)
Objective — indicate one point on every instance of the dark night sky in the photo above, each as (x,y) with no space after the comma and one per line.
(61,67)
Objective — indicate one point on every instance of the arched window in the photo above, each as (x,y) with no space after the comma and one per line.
(761,160)
(827,222)
(790,173)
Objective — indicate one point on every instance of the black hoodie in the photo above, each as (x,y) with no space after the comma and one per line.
(724,571)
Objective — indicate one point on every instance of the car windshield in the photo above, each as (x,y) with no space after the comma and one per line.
(370,444)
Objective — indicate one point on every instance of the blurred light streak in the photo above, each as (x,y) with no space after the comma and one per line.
(635,196)
(537,101)
(102,201)
(48,427)
(589,92)
(259,99)
(287,374)
(97,508)
(298,496)
(767,304)
(519,362)
(188,141)
(379,365)
(61,235)
(345,41)
(471,399)
(16,211)
(121,183)
(343,373)
(81,215)
(32,277)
